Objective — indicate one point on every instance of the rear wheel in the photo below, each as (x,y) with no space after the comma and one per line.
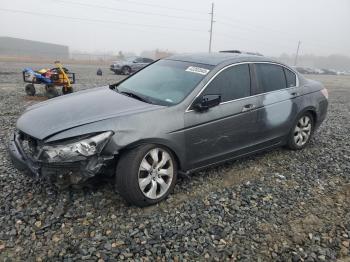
(30,89)
(146,175)
(302,131)
(126,70)
(67,90)
(51,91)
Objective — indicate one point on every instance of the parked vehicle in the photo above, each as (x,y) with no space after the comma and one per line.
(130,65)
(51,78)
(328,72)
(178,115)
(306,70)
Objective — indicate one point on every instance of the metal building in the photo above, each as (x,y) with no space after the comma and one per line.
(16,47)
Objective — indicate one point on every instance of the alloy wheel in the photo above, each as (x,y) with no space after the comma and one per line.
(126,71)
(156,173)
(302,131)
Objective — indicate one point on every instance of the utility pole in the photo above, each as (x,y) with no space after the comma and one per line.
(296,55)
(211,25)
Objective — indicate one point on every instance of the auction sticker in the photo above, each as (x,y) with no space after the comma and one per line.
(197,70)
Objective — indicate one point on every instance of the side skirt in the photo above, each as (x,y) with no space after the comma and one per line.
(190,171)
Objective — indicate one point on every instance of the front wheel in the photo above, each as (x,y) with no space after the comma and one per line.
(301,132)
(51,91)
(30,89)
(146,175)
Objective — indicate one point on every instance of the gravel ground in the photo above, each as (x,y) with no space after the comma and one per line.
(281,205)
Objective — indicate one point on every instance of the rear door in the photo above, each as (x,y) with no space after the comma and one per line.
(277,93)
(227,129)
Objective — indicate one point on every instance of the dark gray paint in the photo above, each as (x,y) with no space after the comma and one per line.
(198,139)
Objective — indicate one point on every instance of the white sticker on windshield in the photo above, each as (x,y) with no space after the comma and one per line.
(197,70)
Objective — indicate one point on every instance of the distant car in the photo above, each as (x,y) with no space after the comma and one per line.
(178,115)
(302,70)
(130,65)
(328,72)
(306,70)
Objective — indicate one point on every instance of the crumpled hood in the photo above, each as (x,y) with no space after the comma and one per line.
(68,111)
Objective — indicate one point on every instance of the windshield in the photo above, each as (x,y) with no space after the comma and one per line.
(165,82)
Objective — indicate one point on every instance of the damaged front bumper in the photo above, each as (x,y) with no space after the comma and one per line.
(62,174)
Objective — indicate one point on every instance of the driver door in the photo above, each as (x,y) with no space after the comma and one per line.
(228,129)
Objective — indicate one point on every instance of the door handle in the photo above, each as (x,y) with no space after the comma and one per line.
(295,94)
(248,107)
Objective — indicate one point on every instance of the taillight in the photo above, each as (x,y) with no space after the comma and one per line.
(324,91)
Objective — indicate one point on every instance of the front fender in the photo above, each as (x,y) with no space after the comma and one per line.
(178,152)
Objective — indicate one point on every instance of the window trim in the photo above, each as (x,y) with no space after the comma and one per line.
(259,88)
(285,76)
(250,83)
(188,109)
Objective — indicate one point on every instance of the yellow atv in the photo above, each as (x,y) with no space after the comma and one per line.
(58,76)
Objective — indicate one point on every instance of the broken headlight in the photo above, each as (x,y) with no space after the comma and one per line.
(76,151)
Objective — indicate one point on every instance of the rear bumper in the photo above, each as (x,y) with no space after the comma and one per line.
(322,112)
(61,174)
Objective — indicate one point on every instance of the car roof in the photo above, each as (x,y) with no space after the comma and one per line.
(218,58)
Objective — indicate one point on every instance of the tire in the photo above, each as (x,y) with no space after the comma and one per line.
(138,182)
(126,70)
(51,91)
(30,89)
(301,132)
(68,91)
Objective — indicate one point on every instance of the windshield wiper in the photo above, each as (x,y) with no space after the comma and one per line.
(133,95)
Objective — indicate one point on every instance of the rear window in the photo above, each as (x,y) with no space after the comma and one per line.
(290,77)
(270,77)
(147,60)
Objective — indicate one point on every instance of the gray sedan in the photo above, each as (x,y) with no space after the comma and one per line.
(178,115)
(130,65)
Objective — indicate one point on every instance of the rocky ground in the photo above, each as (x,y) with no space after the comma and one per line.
(281,205)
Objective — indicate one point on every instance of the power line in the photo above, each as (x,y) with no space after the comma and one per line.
(128,10)
(161,6)
(258,28)
(238,36)
(98,20)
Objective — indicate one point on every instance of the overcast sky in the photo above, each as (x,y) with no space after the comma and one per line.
(271,27)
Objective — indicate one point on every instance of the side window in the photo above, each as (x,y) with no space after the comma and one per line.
(270,77)
(290,77)
(147,60)
(138,60)
(232,83)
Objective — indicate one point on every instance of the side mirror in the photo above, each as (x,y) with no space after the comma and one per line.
(205,102)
